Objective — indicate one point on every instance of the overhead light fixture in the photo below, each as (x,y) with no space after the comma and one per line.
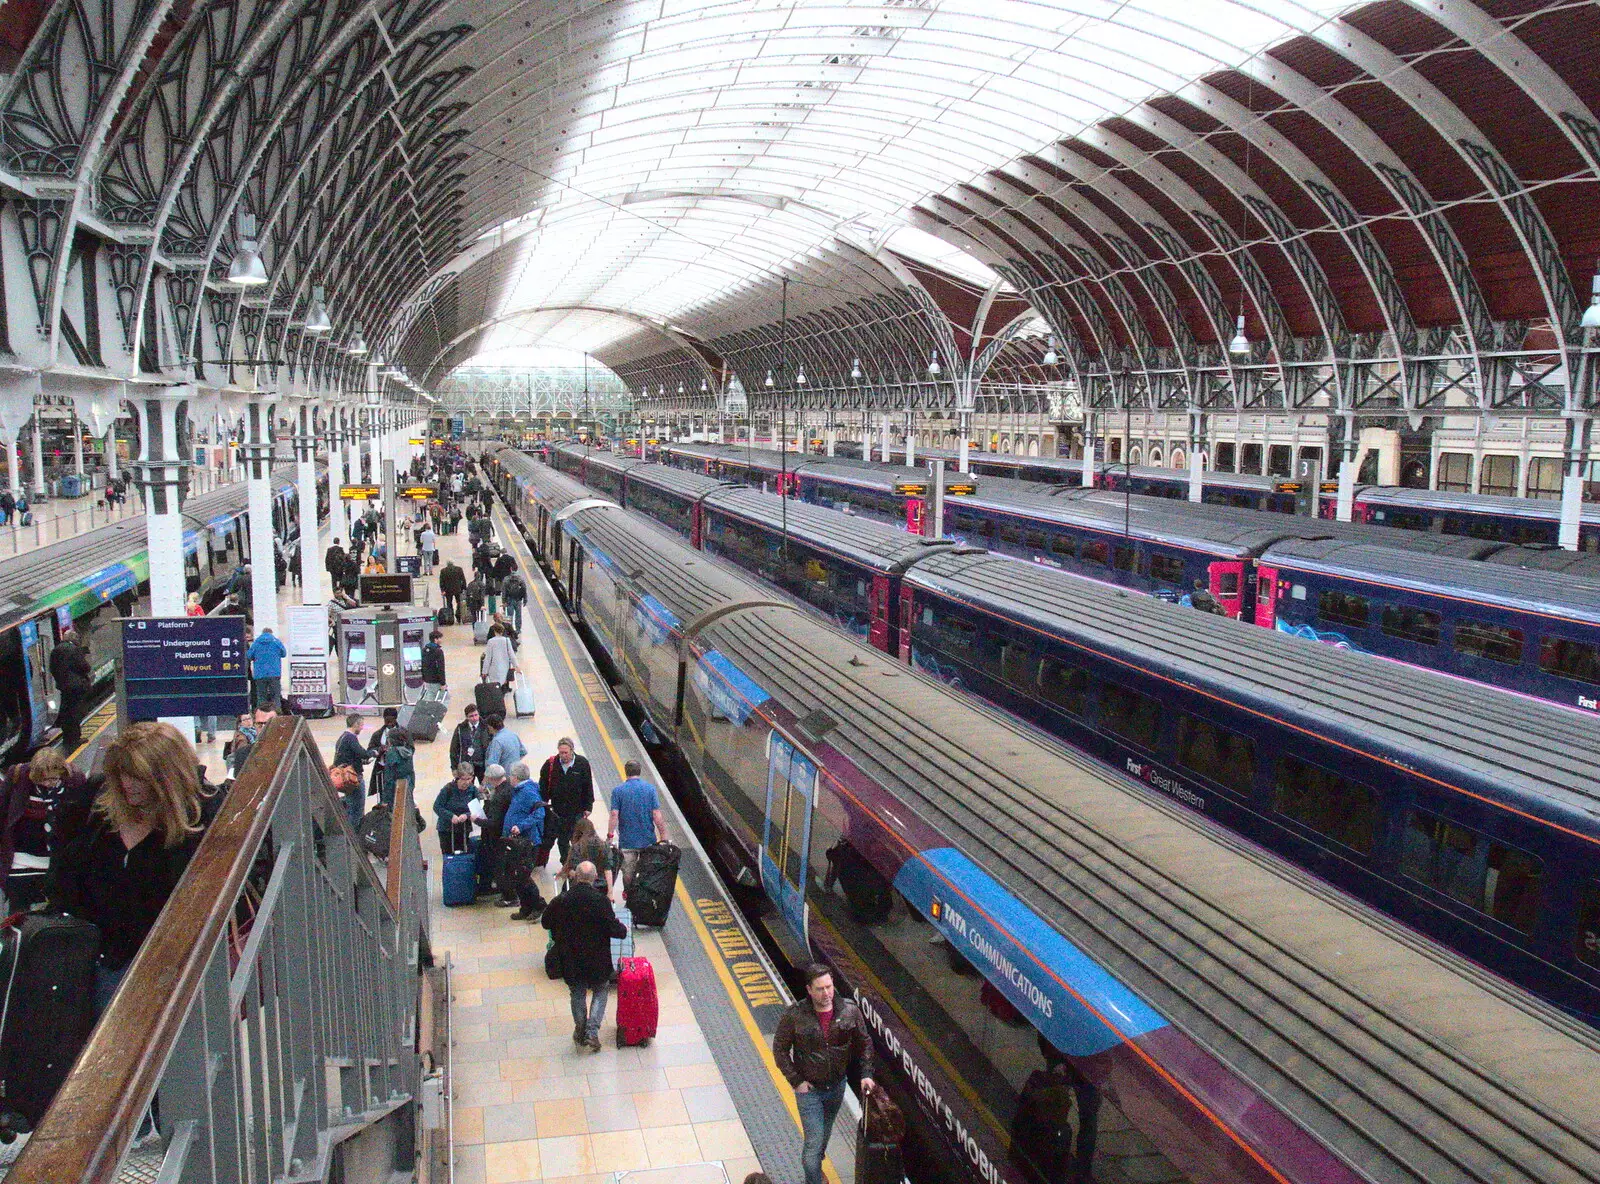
(1240,343)
(800,375)
(661,389)
(247,270)
(1050,358)
(769,379)
(855,369)
(1591,315)
(680,389)
(358,344)
(703,386)
(318,323)
(934,369)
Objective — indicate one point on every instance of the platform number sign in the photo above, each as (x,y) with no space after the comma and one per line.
(786,833)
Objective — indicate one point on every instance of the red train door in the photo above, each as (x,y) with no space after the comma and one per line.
(1227,585)
(914,514)
(696,524)
(908,608)
(1267,597)
(878,602)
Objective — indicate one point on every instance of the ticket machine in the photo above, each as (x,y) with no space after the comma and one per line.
(380,655)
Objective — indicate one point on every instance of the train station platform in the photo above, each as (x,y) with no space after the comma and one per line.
(701,1103)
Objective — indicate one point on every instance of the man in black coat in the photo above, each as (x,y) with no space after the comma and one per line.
(582,923)
(452,587)
(69,669)
(468,744)
(333,561)
(567,787)
(433,661)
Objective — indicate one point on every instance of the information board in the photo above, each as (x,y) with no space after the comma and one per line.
(176,666)
(419,493)
(391,588)
(360,493)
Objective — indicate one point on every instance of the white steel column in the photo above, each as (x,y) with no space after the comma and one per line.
(377,429)
(77,445)
(160,474)
(38,452)
(18,393)
(332,435)
(1087,479)
(305,455)
(354,422)
(1572,483)
(1196,470)
(883,438)
(259,413)
(111,450)
(1344,508)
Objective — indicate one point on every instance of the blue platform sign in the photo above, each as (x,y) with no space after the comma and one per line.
(176,666)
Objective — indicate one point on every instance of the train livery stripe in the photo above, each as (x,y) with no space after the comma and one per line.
(1076,1022)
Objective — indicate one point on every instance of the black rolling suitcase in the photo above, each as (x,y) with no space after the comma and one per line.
(422,718)
(490,698)
(47,973)
(650,895)
(878,1138)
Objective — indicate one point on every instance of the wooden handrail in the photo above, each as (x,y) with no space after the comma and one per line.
(91,1123)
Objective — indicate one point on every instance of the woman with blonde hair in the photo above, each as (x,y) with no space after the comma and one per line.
(42,804)
(587,845)
(145,826)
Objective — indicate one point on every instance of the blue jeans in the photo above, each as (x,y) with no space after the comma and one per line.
(514,611)
(818,1109)
(589,1012)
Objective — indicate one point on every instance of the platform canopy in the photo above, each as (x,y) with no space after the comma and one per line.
(1206,204)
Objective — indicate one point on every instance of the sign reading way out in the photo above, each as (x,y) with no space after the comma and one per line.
(177,666)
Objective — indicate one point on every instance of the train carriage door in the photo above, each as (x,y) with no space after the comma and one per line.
(696,524)
(878,604)
(1227,585)
(908,608)
(1267,597)
(914,511)
(786,832)
(35,637)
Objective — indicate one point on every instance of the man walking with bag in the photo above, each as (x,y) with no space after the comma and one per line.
(567,786)
(582,924)
(816,1040)
(636,820)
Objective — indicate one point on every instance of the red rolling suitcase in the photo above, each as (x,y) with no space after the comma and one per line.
(638,1010)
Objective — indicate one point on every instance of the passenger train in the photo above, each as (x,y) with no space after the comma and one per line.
(1467,814)
(1518,521)
(974,886)
(94,578)
(1512,617)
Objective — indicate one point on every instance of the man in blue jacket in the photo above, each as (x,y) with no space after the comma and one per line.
(266,656)
(524,831)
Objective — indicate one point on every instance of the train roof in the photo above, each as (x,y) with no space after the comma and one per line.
(1548,754)
(1071,469)
(1506,587)
(868,473)
(600,457)
(28,579)
(1552,559)
(685,483)
(1323,1006)
(866,541)
(553,486)
(1541,509)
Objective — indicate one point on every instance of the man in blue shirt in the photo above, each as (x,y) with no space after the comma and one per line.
(636,821)
(266,656)
(505,747)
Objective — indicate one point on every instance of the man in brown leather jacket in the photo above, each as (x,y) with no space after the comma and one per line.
(815,1042)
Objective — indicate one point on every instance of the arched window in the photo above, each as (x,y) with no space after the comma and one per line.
(1154,460)
(1178,459)
(1133,455)
(1033,445)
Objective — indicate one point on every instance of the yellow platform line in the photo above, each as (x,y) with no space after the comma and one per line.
(735,996)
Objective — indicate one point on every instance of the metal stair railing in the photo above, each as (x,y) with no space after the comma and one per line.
(272,1011)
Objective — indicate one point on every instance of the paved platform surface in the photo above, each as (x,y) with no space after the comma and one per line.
(702,1103)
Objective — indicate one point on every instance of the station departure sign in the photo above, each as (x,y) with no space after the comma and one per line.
(361,493)
(418,493)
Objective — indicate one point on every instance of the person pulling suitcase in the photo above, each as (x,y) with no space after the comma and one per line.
(636,820)
(583,925)
(816,1041)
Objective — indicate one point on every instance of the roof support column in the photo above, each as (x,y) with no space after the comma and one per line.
(259,436)
(1087,479)
(1344,510)
(19,389)
(333,441)
(160,472)
(1572,483)
(1197,438)
(305,455)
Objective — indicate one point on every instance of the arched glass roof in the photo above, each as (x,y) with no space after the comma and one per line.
(677,152)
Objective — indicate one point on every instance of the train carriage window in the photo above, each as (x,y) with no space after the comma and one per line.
(1064,686)
(1569,659)
(1124,559)
(1167,569)
(1016,664)
(1222,756)
(1036,540)
(1410,624)
(1500,643)
(1100,553)
(1470,867)
(1343,608)
(957,633)
(1587,943)
(1010,532)
(1343,810)
(1228,583)
(1129,714)
(1063,544)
